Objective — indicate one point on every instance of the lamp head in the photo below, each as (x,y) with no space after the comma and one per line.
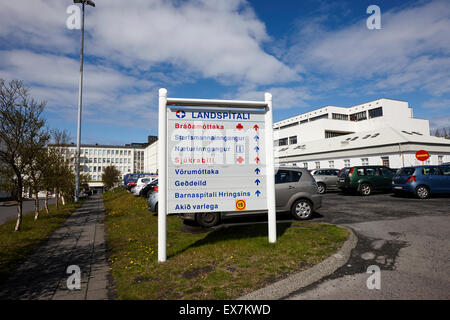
(88,2)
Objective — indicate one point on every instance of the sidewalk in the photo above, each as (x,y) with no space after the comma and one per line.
(81,242)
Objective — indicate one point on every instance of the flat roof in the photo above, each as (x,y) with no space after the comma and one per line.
(100,146)
(331,106)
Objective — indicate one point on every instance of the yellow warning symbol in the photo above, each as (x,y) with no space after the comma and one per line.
(240,205)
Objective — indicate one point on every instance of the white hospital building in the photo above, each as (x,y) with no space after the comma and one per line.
(380,132)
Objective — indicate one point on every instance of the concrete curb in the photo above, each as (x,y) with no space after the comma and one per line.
(7,204)
(285,287)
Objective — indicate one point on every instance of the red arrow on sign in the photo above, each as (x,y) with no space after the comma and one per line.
(240,159)
(257,160)
(256,127)
(239,127)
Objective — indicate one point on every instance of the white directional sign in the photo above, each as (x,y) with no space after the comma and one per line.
(216,161)
(214,156)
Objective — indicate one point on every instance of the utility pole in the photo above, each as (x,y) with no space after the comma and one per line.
(80,99)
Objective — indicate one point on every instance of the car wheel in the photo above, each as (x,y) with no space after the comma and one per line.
(156,208)
(302,209)
(322,188)
(365,189)
(422,192)
(208,219)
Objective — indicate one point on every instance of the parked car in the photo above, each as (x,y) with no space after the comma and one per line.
(148,188)
(326,179)
(130,186)
(133,178)
(365,179)
(295,192)
(422,181)
(141,183)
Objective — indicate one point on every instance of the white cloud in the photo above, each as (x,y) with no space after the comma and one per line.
(283,97)
(409,53)
(437,104)
(129,47)
(204,38)
(109,95)
(214,39)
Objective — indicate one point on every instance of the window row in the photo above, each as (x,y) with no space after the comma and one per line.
(106,160)
(348,163)
(285,141)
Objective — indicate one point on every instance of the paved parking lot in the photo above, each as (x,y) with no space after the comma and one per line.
(407,238)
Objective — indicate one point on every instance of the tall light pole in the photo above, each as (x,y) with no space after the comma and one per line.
(80,98)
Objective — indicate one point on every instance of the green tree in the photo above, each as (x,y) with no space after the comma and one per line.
(35,176)
(110,176)
(21,133)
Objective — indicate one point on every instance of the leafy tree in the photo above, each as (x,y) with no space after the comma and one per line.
(437,133)
(61,179)
(110,176)
(35,176)
(22,134)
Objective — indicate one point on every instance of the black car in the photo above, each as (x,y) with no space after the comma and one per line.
(145,192)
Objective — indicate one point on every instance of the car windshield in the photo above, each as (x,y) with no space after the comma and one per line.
(344,172)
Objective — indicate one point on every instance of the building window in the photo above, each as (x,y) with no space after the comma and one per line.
(289,125)
(323,116)
(283,142)
(377,112)
(305,165)
(347,163)
(293,140)
(365,161)
(358,116)
(440,160)
(385,161)
(339,116)
(331,163)
(317,164)
(332,134)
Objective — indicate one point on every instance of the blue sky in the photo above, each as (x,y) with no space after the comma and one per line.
(307,53)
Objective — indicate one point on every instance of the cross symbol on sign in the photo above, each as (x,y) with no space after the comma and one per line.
(240,159)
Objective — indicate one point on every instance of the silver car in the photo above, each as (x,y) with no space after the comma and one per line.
(295,192)
(326,179)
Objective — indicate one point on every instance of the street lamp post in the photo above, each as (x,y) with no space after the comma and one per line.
(80,98)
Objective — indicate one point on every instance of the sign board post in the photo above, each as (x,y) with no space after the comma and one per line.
(214,156)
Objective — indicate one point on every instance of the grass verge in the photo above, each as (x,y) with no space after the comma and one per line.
(222,264)
(16,246)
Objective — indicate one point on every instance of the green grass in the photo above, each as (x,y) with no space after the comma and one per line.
(222,264)
(16,246)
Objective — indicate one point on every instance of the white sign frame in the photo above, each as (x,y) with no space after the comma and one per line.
(164,101)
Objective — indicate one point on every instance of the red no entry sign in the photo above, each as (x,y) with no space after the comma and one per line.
(422,155)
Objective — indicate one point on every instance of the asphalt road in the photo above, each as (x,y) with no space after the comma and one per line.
(406,238)
(10,212)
